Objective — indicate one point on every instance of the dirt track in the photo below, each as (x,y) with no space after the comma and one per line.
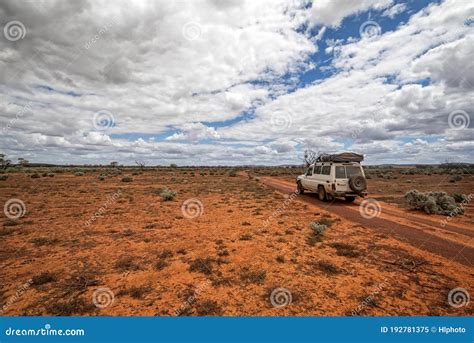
(420,232)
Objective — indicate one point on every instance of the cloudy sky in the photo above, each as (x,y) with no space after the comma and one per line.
(236,82)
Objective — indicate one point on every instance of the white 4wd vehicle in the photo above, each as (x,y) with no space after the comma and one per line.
(333,179)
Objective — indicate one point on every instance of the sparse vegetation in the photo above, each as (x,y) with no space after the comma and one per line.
(126,263)
(433,203)
(202,265)
(209,308)
(346,250)
(252,276)
(455,178)
(127,179)
(75,306)
(327,267)
(43,278)
(167,194)
(459,197)
(136,292)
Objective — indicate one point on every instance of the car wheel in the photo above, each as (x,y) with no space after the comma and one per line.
(322,193)
(350,199)
(299,188)
(357,183)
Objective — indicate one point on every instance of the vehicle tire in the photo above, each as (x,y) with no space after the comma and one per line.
(299,188)
(358,183)
(322,194)
(349,198)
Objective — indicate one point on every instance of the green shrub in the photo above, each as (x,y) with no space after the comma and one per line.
(101,177)
(167,194)
(51,174)
(232,173)
(3,177)
(433,203)
(127,179)
(318,228)
(455,178)
(79,174)
(458,197)
(35,176)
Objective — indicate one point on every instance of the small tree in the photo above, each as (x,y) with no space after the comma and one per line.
(114,164)
(309,157)
(23,162)
(4,162)
(140,164)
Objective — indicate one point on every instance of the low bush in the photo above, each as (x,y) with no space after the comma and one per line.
(458,197)
(3,177)
(79,174)
(167,194)
(318,228)
(127,179)
(455,178)
(433,203)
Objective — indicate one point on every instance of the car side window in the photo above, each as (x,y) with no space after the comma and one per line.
(317,170)
(326,170)
(309,171)
(340,172)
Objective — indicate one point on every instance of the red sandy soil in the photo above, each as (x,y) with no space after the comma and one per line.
(228,260)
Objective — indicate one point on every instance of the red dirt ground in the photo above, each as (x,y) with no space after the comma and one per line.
(227,261)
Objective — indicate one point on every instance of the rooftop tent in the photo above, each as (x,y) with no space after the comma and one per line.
(343,157)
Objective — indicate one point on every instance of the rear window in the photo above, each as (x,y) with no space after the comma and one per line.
(340,172)
(353,171)
(326,170)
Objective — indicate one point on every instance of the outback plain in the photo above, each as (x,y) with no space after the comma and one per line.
(166,241)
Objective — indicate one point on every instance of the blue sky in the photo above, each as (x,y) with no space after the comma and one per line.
(239,83)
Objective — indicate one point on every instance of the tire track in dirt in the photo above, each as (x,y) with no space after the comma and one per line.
(412,234)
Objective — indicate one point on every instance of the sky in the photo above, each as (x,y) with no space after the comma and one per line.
(236,82)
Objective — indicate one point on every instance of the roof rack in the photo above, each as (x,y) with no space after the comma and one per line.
(343,157)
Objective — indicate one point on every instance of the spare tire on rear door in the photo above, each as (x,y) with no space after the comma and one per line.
(358,183)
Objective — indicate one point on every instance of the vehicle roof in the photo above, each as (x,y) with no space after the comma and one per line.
(336,164)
